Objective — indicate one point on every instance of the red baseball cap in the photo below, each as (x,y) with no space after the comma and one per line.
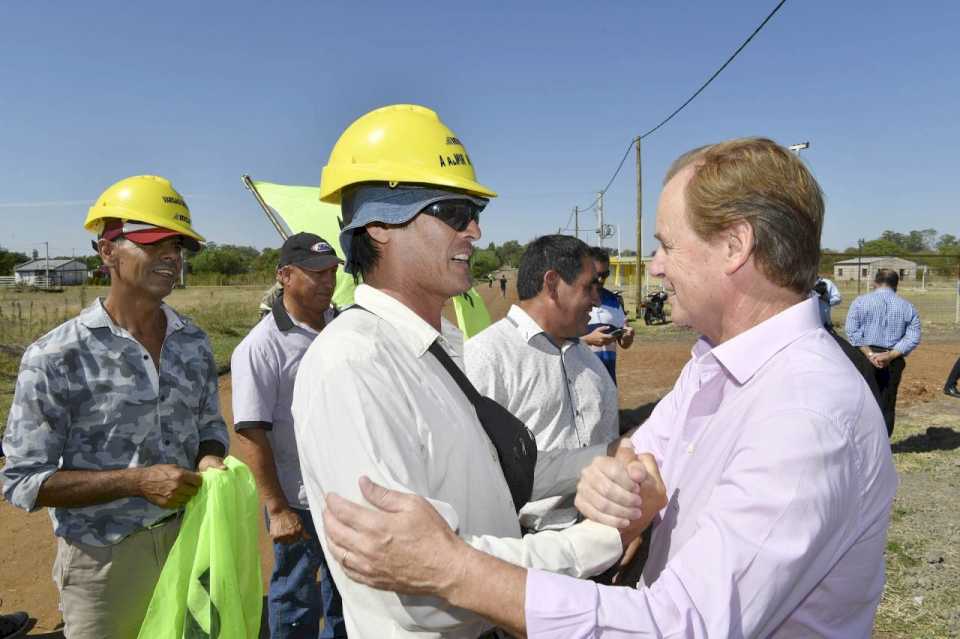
(144,233)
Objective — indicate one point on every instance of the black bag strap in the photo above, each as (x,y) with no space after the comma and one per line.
(468,388)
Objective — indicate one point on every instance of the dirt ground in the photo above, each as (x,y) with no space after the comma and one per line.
(922,557)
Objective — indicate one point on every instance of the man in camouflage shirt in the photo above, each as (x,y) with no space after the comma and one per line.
(115,414)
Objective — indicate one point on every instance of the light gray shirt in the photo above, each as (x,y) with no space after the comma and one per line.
(371,400)
(264,367)
(562,393)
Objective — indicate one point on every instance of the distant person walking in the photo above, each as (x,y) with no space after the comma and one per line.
(503,285)
(886,328)
(950,388)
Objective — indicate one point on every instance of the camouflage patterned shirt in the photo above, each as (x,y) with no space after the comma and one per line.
(88,397)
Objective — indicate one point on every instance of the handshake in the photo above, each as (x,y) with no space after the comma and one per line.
(623,490)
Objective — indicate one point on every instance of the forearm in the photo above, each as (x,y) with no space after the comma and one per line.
(257,453)
(470,589)
(78,488)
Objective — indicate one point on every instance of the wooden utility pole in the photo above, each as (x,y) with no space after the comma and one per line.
(600,219)
(639,233)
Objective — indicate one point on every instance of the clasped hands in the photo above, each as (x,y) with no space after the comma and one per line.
(402,544)
(623,490)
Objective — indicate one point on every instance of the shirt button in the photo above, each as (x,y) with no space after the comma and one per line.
(690,449)
(146,357)
(166,442)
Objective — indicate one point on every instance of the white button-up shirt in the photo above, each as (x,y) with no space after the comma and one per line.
(562,393)
(371,400)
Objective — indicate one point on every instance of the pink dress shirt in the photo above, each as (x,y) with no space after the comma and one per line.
(780,483)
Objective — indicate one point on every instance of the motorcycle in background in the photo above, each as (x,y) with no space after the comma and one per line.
(653,308)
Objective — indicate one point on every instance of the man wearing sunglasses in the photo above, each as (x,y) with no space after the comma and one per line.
(374,397)
(115,415)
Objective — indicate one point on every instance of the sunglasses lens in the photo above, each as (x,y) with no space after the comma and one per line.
(456,215)
(603,274)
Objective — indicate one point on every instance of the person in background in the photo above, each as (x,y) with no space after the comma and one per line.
(269,298)
(950,387)
(829,296)
(533,364)
(608,327)
(116,413)
(264,368)
(886,328)
(503,285)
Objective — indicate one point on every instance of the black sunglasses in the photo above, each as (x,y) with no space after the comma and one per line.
(457,214)
(603,274)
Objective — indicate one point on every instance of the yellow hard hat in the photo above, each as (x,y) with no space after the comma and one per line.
(400,143)
(149,199)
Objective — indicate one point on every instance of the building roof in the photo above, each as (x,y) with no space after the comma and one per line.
(853,261)
(54,265)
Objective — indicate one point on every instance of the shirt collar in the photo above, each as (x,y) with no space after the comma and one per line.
(746,353)
(96,316)
(411,329)
(528,327)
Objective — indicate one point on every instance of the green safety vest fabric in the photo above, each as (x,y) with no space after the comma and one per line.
(302,211)
(472,314)
(211,586)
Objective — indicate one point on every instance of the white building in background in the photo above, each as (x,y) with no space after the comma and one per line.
(62,272)
(865,268)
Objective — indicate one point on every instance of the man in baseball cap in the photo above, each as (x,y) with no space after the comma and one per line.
(264,367)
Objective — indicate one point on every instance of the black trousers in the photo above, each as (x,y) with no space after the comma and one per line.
(953,376)
(888,381)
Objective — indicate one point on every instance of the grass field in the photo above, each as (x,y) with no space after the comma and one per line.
(226,313)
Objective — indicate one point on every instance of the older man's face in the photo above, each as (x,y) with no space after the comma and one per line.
(690,267)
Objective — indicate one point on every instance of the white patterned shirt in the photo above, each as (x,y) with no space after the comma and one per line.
(563,394)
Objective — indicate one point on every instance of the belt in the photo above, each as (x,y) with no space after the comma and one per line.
(881,349)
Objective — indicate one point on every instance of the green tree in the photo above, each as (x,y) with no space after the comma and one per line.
(9,259)
(226,259)
(484,261)
(948,245)
(882,247)
(510,253)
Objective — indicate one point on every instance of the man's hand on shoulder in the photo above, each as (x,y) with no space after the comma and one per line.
(167,485)
(401,544)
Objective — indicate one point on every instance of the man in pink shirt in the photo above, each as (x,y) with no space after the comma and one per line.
(773,452)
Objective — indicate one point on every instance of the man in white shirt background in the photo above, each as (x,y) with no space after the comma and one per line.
(532,362)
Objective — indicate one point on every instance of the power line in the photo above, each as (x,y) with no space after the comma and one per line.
(718,71)
(682,106)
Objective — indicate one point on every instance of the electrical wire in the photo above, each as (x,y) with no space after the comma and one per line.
(718,71)
(682,106)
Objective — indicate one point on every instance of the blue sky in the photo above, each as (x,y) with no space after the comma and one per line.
(546,96)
